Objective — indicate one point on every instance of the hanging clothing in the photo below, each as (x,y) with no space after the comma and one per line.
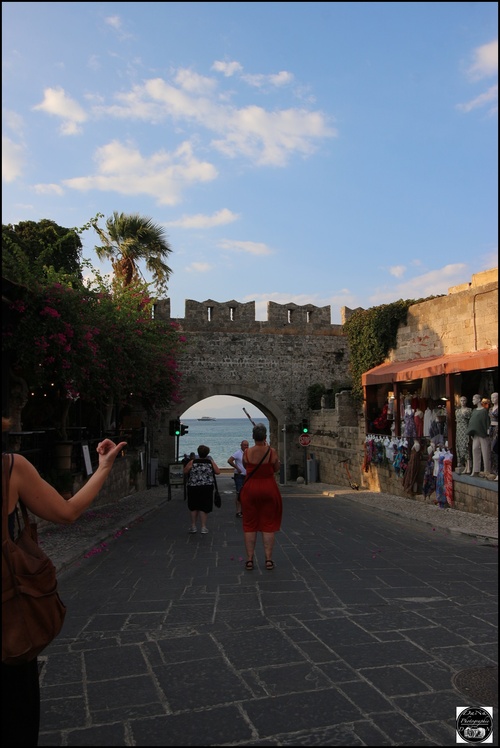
(448,478)
(462,418)
(440,487)
(409,419)
(429,480)
(411,474)
(427,421)
(419,423)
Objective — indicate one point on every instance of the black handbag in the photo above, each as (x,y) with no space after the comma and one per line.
(217,497)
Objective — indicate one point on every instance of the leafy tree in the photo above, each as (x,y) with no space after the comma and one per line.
(89,342)
(30,249)
(127,240)
(371,334)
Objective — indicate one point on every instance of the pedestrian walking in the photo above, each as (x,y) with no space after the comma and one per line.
(236,462)
(260,497)
(20,684)
(200,473)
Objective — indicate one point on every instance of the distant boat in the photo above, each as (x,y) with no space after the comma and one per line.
(206,418)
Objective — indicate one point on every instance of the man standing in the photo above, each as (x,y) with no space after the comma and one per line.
(236,461)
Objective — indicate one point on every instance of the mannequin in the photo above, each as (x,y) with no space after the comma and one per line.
(493,414)
(462,417)
(478,428)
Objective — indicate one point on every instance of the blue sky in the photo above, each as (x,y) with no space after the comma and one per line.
(340,154)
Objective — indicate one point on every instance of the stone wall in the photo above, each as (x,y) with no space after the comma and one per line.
(270,363)
(464,320)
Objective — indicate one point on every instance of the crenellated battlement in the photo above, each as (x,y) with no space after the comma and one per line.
(234,316)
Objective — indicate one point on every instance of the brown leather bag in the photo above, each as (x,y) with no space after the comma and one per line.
(32,611)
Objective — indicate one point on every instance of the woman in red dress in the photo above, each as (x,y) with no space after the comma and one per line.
(260,497)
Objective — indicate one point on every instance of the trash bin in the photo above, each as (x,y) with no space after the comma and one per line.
(294,472)
(282,475)
(312,471)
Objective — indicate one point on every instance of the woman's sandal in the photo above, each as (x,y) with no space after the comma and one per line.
(249,565)
(269,564)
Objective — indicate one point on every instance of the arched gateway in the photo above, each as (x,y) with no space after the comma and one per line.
(271,364)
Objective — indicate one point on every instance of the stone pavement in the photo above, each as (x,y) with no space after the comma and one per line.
(378,621)
(65,544)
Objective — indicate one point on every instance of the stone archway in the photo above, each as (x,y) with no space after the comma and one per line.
(270,364)
(263,401)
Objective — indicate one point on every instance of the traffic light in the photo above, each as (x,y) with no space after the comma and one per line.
(174,427)
(184,429)
(305,426)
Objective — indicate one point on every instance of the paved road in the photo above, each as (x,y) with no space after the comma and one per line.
(362,635)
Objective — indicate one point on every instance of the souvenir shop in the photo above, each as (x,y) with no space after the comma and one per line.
(414,419)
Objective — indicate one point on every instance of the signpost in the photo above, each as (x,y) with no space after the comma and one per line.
(175,477)
(304,441)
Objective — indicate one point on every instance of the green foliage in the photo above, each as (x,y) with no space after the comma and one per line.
(371,334)
(129,239)
(73,340)
(30,249)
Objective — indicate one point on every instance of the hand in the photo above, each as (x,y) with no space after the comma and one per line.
(108,451)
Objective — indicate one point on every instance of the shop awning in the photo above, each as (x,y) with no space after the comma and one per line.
(420,368)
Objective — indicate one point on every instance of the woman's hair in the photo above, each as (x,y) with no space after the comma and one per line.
(203,451)
(259,432)
(6,424)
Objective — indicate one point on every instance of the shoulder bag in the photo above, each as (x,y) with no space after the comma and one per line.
(32,611)
(217,496)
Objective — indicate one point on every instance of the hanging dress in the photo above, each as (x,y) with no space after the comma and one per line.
(440,487)
(429,480)
(448,478)
(411,474)
(462,418)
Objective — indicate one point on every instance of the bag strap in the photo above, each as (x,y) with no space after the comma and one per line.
(7,465)
(247,477)
(5,495)
(213,473)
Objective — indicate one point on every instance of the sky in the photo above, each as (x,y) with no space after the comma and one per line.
(335,154)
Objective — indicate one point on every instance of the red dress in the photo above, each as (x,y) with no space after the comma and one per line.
(261,501)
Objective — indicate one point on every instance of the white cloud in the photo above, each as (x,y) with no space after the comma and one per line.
(163,176)
(13,159)
(227,68)
(57,103)
(397,270)
(115,22)
(264,137)
(199,267)
(485,62)
(488,97)
(485,65)
(194,83)
(277,80)
(48,189)
(252,248)
(433,283)
(200,221)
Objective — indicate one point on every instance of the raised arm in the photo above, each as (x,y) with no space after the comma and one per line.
(44,501)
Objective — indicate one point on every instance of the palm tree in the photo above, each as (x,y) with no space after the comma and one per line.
(129,239)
